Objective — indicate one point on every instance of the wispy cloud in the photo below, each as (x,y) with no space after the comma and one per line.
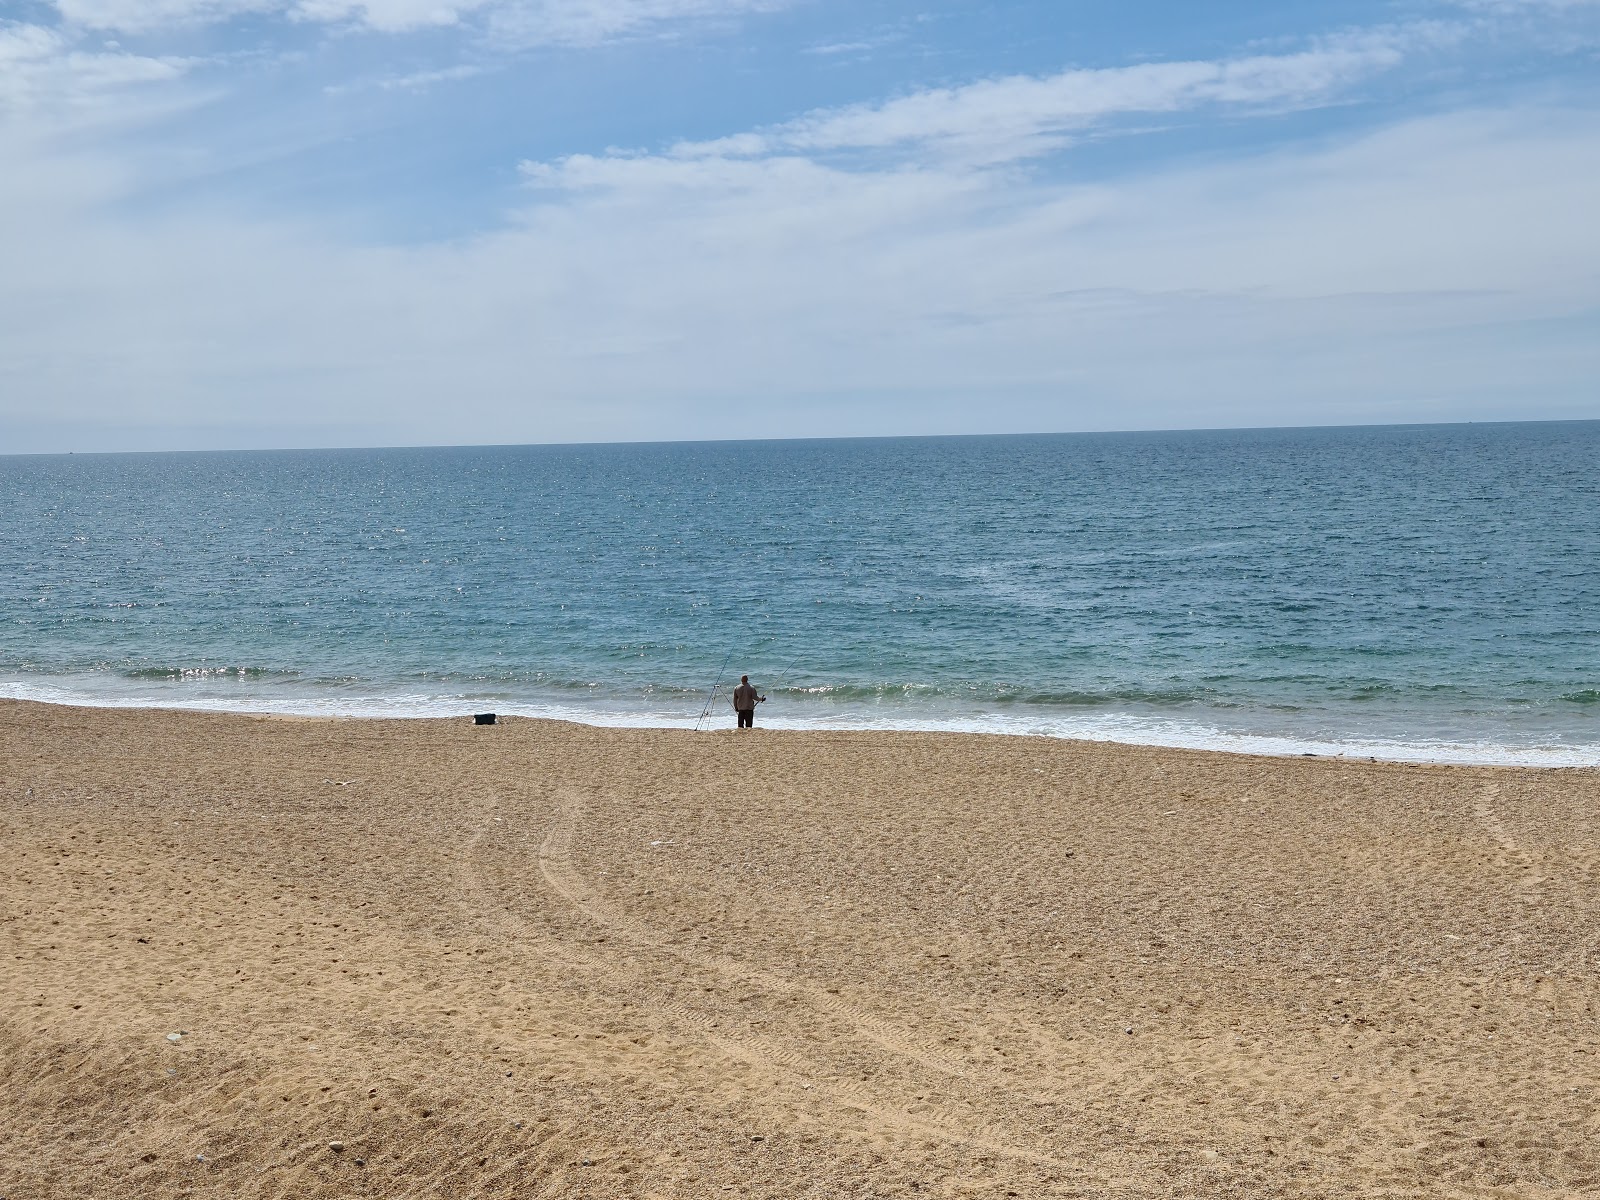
(831,48)
(1518,6)
(1004,120)
(420,80)
(566,22)
(143,16)
(389,16)
(590,22)
(43,68)
(1022,116)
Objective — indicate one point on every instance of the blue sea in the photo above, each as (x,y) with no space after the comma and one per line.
(1415,592)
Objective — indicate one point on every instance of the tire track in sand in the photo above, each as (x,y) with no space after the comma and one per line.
(753,1049)
(1533,886)
(555,862)
(1509,853)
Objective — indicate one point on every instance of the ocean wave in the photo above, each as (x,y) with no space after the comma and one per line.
(1143,729)
(1004,697)
(197,674)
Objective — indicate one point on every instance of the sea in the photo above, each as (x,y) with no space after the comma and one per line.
(1424,593)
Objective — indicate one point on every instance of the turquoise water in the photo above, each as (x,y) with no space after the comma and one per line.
(1413,592)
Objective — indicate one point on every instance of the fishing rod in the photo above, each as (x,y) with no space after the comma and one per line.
(722,671)
(711,699)
(787,673)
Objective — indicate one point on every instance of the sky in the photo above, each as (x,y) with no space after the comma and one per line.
(295,223)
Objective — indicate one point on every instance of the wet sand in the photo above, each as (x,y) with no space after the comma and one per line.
(424,958)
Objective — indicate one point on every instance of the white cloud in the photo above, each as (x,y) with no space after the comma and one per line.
(143,16)
(1522,6)
(997,120)
(589,22)
(40,68)
(652,297)
(568,22)
(388,16)
(829,49)
(425,79)
(23,44)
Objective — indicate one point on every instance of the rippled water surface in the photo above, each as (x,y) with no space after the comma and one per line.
(1406,591)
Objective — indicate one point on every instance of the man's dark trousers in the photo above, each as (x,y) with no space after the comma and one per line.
(747,718)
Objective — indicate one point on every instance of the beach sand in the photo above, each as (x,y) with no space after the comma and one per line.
(424,958)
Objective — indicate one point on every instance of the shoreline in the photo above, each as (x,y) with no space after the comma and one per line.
(1111,729)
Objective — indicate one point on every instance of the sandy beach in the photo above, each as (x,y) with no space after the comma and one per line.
(264,957)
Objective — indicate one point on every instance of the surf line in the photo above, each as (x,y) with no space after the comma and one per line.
(787,674)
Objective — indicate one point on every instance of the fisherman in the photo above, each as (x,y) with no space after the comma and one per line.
(745,701)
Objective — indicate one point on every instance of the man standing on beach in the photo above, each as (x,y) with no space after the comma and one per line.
(745,701)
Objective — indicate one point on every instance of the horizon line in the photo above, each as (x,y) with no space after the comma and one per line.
(865,437)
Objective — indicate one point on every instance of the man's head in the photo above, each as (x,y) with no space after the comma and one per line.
(744,679)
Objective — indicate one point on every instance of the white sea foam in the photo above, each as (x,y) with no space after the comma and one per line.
(1101,726)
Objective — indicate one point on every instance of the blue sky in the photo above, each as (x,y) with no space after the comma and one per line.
(250,223)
